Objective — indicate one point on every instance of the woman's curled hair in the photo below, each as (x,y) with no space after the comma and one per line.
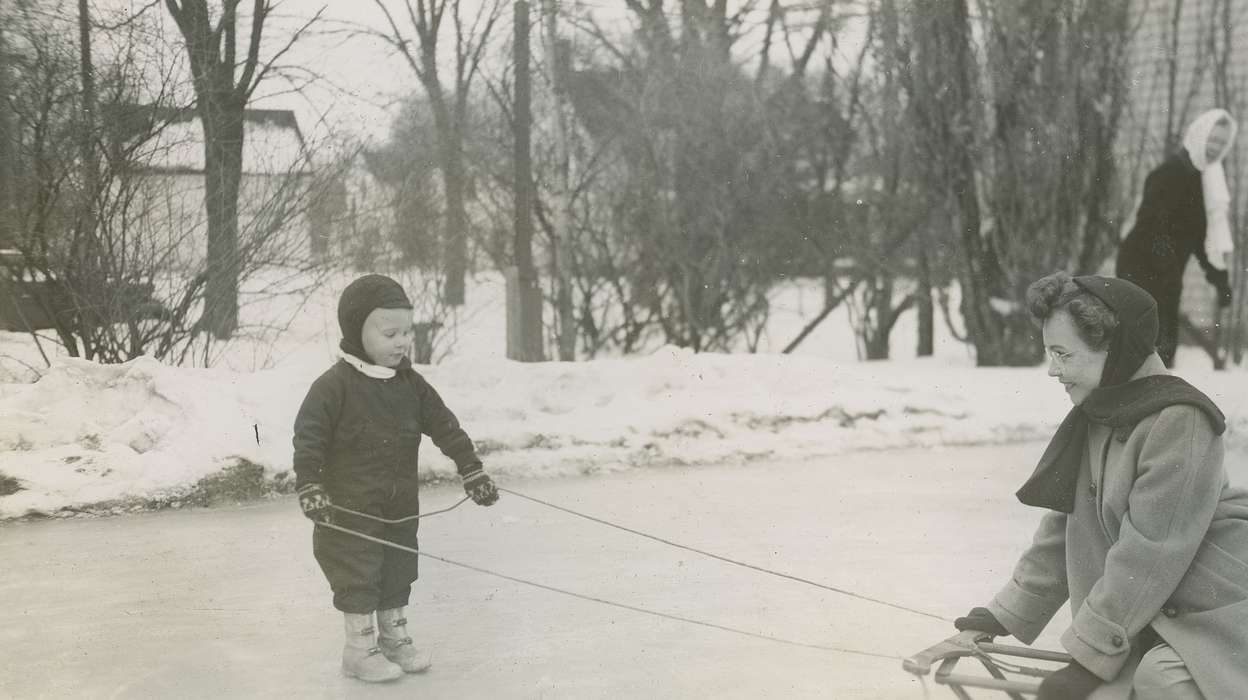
(1094,320)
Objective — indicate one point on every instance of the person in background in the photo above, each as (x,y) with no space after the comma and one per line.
(356,440)
(1184,211)
(1143,534)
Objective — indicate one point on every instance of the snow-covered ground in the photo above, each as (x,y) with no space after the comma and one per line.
(758,457)
(87,434)
(228,602)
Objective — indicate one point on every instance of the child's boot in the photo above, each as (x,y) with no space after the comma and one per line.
(396,644)
(361,657)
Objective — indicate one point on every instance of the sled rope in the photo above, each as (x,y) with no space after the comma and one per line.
(734,562)
(397,521)
(611,603)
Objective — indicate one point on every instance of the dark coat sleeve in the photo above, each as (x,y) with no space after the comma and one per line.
(314,427)
(440,424)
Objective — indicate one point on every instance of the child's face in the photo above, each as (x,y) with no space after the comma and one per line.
(386,336)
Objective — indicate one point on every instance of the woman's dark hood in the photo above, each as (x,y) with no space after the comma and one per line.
(1135,338)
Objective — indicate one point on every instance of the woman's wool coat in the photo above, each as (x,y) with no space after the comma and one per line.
(1157,537)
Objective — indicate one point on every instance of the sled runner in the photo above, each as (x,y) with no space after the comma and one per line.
(1017,681)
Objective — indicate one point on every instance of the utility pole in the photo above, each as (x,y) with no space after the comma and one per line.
(524,301)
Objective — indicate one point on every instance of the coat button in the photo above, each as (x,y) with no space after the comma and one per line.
(1122,436)
(1117,640)
(1169,611)
(1092,487)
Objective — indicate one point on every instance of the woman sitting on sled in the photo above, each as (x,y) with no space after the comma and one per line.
(1144,535)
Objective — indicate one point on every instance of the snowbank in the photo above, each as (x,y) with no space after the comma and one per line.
(88,433)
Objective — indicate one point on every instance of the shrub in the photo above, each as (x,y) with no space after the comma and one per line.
(242,481)
(8,485)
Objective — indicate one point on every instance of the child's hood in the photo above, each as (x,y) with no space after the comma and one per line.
(358,300)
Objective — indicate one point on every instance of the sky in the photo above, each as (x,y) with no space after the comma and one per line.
(360,79)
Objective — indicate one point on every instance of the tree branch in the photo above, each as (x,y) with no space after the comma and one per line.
(246,85)
(272,62)
(396,40)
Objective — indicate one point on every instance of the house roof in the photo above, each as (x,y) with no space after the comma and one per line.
(272,141)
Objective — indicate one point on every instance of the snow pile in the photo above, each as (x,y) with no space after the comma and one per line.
(88,433)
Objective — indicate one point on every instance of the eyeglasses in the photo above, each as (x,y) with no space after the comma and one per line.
(1059,357)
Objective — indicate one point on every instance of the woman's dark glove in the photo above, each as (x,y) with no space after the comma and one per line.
(315,503)
(480,488)
(1073,682)
(981,620)
(1221,280)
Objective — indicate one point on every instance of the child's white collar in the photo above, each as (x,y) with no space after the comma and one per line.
(370,370)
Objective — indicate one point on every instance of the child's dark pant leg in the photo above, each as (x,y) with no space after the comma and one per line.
(352,565)
(398,568)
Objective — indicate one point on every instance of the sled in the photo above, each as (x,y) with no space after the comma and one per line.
(1016,680)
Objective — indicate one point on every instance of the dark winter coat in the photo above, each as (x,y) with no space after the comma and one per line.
(358,436)
(1169,228)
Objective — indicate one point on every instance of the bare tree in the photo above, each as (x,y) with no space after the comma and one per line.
(699,181)
(1020,115)
(450,103)
(682,208)
(224,83)
(558,225)
(125,280)
(822,121)
(7,138)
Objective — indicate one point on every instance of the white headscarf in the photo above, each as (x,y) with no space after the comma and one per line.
(1218,241)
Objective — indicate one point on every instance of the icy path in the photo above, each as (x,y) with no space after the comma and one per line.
(229,602)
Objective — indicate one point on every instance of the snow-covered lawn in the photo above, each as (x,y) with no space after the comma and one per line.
(87,433)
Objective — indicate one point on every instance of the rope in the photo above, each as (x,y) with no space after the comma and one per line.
(603,601)
(728,560)
(396,521)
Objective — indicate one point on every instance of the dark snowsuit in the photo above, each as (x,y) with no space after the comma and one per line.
(358,437)
(1169,228)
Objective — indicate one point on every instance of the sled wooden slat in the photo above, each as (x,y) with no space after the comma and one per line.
(979,645)
(962,644)
(1025,652)
(1011,687)
(942,676)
